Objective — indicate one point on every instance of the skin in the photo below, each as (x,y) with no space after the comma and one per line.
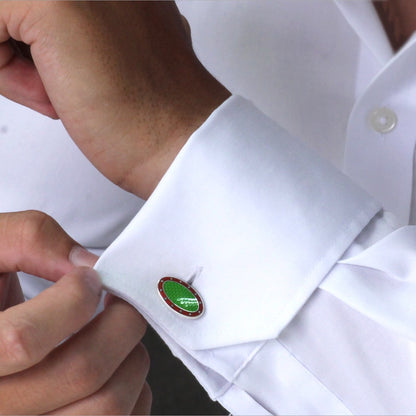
(89,373)
(398,18)
(122,77)
(124,80)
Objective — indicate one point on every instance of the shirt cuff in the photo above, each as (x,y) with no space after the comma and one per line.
(258,216)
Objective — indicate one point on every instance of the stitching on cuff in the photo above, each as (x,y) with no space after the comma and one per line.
(230,383)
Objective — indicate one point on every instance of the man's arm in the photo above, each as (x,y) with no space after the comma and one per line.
(254,217)
(130,67)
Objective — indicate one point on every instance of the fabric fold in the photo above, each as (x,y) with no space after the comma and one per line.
(275,238)
(394,255)
(380,282)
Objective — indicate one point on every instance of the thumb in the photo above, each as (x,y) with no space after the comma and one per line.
(82,258)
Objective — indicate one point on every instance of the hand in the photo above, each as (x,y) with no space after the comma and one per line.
(101,369)
(122,76)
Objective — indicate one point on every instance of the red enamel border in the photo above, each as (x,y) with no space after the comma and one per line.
(176,308)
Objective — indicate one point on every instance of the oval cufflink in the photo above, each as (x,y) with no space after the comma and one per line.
(181,297)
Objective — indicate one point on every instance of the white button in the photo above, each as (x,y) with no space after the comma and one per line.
(383,120)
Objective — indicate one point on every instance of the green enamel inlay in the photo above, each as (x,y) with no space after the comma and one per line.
(181,296)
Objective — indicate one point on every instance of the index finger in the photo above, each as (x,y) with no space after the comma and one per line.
(33,242)
(19,78)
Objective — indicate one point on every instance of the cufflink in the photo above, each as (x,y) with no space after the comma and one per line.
(180,297)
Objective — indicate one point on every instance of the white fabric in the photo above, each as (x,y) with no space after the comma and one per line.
(387,293)
(390,166)
(282,184)
(306,64)
(368,368)
(226,346)
(363,18)
(295,60)
(322,83)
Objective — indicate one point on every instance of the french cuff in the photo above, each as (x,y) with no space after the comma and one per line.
(250,213)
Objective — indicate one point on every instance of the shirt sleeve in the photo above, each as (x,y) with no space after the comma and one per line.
(351,348)
(256,220)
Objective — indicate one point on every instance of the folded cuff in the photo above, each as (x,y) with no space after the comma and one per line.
(258,216)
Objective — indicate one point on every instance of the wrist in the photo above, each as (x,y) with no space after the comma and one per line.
(173,124)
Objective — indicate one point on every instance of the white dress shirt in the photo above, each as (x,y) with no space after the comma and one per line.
(259,221)
(281,215)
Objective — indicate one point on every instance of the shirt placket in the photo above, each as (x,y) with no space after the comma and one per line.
(381,134)
(379,138)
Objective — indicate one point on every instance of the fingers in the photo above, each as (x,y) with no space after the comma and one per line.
(20,82)
(29,331)
(10,291)
(33,242)
(120,394)
(143,405)
(19,78)
(78,256)
(82,365)
(128,65)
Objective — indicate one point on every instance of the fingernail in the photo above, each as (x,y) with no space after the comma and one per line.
(93,279)
(79,256)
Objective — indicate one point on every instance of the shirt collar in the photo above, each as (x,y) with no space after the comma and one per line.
(363,18)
